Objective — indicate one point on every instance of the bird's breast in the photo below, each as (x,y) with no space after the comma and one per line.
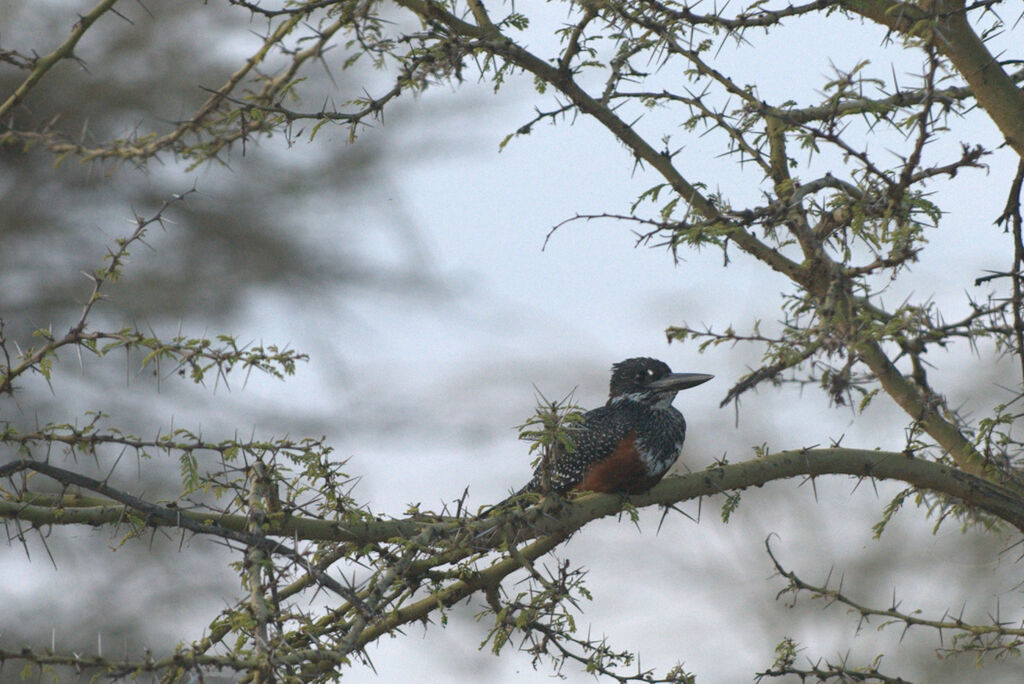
(660,445)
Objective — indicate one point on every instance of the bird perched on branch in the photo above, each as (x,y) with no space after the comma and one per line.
(628,444)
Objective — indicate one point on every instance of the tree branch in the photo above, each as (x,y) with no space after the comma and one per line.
(493,41)
(922,409)
(64,51)
(945,23)
(978,492)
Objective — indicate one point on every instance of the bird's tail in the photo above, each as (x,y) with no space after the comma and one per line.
(508,502)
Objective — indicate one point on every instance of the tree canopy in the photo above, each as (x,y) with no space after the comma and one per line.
(837,188)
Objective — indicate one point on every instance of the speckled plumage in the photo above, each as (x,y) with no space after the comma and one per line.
(628,444)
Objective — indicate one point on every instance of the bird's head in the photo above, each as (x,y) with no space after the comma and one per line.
(650,381)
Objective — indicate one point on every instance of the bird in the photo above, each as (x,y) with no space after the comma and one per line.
(628,444)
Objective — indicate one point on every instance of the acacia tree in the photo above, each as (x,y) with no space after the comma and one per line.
(838,220)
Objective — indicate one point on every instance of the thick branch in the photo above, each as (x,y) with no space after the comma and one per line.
(992,498)
(924,411)
(167,516)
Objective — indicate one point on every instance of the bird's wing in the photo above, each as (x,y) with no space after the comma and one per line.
(594,438)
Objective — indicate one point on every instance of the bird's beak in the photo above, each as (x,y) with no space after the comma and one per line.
(673,382)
